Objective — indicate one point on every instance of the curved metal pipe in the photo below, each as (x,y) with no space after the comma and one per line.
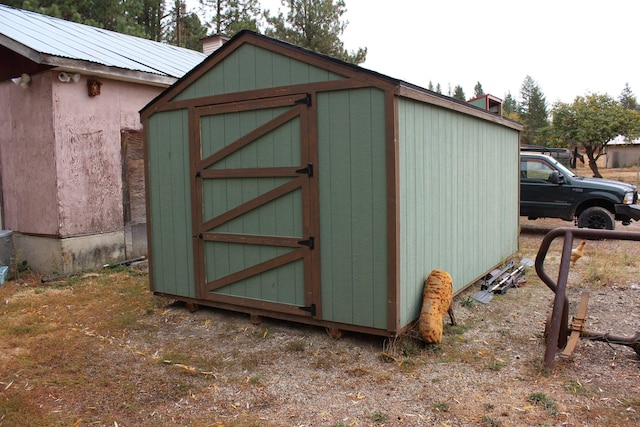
(559,325)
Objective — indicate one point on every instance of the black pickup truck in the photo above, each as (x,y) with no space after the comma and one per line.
(550,190)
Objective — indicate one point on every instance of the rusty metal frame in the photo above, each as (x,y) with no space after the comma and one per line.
(559,325)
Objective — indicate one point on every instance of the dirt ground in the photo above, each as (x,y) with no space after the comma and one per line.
(99,350)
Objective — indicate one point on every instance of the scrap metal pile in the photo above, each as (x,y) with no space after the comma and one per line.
(499,281)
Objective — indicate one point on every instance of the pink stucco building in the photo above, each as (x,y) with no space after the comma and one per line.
(71,163)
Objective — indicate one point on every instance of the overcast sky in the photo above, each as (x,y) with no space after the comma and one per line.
(568,47)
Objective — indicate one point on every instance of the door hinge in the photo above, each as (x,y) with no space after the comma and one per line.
(311,309)
(308,170)
(306,100)
(309,242)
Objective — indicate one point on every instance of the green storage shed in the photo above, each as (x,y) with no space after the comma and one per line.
(288,184)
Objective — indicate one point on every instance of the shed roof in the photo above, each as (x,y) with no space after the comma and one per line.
(621,140)
(57,43)
(373,78)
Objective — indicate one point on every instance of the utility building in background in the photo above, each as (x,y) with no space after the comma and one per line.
(71,162)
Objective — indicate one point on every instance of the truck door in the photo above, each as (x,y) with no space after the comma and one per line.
(539,196)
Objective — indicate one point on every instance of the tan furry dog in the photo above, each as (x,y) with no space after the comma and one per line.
(437,300)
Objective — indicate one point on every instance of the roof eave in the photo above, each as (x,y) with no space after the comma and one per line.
(20,49)
(114,73)
(87,67)
(424,95)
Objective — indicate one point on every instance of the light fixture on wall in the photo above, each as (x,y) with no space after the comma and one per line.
(65,77)
(23,81)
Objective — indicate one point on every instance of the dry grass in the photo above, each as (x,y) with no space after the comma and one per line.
(100,350)
(630,174)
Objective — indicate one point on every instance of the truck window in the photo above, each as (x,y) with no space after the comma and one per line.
(535,170)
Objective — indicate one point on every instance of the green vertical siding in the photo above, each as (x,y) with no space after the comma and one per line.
(282,284)
(457,192)
(458,197)
(170,203)
(250,67)
(281,217)
(353,218)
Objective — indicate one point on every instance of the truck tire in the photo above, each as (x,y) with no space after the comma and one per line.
(596,217)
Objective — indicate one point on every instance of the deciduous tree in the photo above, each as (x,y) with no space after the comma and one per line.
(592,121)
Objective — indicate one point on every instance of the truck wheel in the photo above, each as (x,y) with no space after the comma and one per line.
(596,217)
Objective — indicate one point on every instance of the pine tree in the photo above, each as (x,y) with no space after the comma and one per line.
(315,25)
(533,112)
(509,105)
(510,108)
(477,91)
(627,99)
(141,18)
(183,28)
(232,16)
(458,93)
(150,19)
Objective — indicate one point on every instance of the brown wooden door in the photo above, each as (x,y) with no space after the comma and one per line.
(133,194)
(254,239)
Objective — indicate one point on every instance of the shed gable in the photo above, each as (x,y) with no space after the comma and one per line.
(250,67)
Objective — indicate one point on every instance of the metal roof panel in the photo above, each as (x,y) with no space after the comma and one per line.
(60,38)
